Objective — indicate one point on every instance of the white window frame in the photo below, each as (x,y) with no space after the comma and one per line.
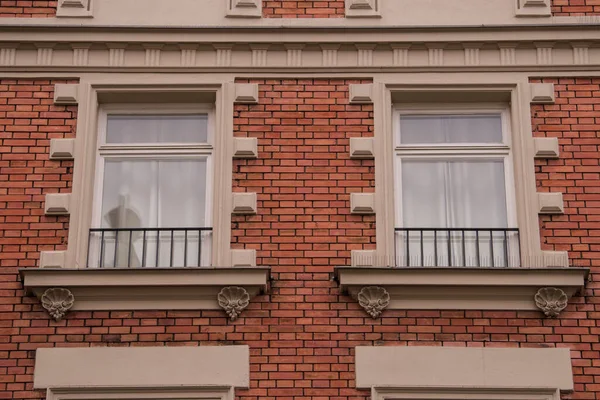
(120,151)
(444,151)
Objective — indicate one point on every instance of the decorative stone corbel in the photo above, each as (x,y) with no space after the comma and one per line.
(57,301)
(57,203)
(542,93)
(551,301)
(66,93)
(74,8)
(62,149)
(233,299)
(362,258)
(52,259)
(374,299)
(245,147)
(244,203)
(244,8)
(362,148)
(360,93)
(246,93)
(243,258)
(546,147)
(551,203)
(362,8)
(362,203)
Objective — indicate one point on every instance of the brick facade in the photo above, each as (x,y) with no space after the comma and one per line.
(576,7)
(302,335)
(303,9)
(27,8)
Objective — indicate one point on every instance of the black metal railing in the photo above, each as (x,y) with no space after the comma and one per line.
(466,247)
(147,247)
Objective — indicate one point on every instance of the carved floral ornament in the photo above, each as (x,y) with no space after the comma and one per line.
(233,299)
(374,299)
(551,301)
(57,301)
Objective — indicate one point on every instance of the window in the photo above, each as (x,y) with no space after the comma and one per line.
(454,196)
(153,187)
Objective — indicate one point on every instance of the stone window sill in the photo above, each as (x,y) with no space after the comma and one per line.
(379,288)
(64,289)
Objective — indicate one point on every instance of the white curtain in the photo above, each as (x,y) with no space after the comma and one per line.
(453,193)
(141,193)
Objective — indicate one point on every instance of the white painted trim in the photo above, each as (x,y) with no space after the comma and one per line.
(429,368)
(476,393)
(86,148)
(136,393)
(99,367)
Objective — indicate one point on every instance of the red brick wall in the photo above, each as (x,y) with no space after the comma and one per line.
(27,8)
(303,333)
(576,7)
(303,8)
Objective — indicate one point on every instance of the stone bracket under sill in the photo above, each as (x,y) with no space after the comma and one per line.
(207,288)
(445,288)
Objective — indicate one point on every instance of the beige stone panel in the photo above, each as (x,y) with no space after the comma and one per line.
(142,367)
(478,367)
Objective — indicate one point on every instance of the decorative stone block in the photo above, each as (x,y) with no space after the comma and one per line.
(57,203)
(74,8)
(362,147)
(534,8)
(245,147)
(362,8)
(244,8)
(52,259)
(362,258)
(57,301)
(546,147)
(243,258)
(551,258)
(361,93)
(66,93)
(246,93)
(244,203)
(542,93)
(551,301)
(374,299)
(551,203)
(233,300)
(62,149)
(362,203)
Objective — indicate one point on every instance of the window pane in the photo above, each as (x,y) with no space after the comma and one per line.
(441,195)
(431,129)
(154,193)
(157,128)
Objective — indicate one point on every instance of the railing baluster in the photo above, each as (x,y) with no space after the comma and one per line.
(505,249)
(435,247)
(408,248)
(199,247)
(116,248)
(157,247)
(422,250)
(130,246)
(144,249)
(492,247)
(87,262)
(477,248)
(449,248)
(171,255)
(185,249)
(101,249)
(464,249)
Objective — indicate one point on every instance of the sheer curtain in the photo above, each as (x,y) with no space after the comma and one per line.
(452,192)
(149,192)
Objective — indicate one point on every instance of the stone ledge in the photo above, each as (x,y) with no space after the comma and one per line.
(463,288)
(145,289)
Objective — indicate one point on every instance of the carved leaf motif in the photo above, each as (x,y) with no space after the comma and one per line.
(57,301)
(374,300)
(551,301)
(233,299)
